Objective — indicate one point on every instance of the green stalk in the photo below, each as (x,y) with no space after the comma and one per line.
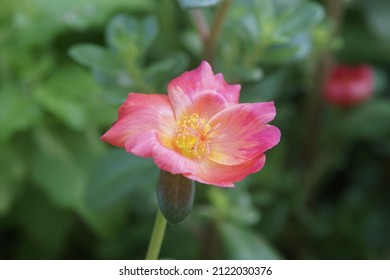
(210,35)
(157,237)
(216,27)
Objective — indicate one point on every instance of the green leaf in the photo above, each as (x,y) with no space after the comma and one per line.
(165,69)
(131,35)
(249,74)
(46,226)
(193,4)
(370,121)
(234,205)
(118,79)
(56,170)
(265,12)
(12,176)
(175,195)
(299,18)
(17,112)
(96,57)
(63,99)
(269,88)
(117,176)
(377,16)
(241,243)
(296,49)
(55,16)
(192,43)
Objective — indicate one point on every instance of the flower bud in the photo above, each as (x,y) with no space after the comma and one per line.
(175,194)
(348,86)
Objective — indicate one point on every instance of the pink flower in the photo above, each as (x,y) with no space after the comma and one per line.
(199,130)
(349,85)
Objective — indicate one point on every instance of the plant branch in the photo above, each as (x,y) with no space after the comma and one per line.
(315,106)
(157,237)
(210,36)
(201,25)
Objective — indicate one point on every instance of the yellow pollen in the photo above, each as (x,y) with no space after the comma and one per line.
(193,136)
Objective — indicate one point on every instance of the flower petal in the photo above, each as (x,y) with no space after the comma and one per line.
(172,161)
(140,114)
(209,104)
(241,133)
(221,175)
(187,87)
(205,171)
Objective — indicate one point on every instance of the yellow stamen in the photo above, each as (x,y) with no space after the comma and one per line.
(193,136)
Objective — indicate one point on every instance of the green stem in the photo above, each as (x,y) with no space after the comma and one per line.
(157,237)
(311,141)
(211,42)
(201,25)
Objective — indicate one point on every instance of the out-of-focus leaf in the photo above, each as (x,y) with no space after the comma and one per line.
(56,170)
(299,18)
(54,16)
(64,95)
(12,172)
(235,205)
(294,50)
(118,175)
(193,43)
(131,35)
(59,168)
(381,81)
(17,112)
(370,121)
(251,27)
(265,13)
(377,16)
(118,78)
(192,4)
(268,88)
(250,74)
(167,68)
(242,210)
(242,243)
(6,196)
(46,225)
(370,47)
(96,57)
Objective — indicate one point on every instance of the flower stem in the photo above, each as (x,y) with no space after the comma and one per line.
(157,237)
(216,27)
(310,148)
(201,25)
(210,35)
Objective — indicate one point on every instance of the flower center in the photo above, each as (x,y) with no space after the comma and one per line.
(193,136)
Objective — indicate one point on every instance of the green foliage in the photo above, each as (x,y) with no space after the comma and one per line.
(117,176)
(122,64)
(372,120)
(190,4)
(65,68)
(244,244)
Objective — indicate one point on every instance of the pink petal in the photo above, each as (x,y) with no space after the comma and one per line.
(169,160)
(187,87)
(209,104)
(205,171)
(226,175)
(241,133)
(140,114)
(142,144)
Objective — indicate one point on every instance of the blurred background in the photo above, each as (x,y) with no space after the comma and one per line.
(66,66)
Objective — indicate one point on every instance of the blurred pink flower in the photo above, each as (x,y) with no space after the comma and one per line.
(349,85)
(199,130)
